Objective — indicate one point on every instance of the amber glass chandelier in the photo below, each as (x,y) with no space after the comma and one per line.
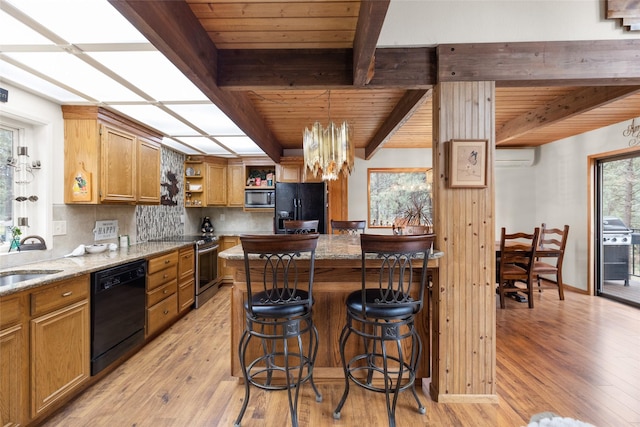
(328,150)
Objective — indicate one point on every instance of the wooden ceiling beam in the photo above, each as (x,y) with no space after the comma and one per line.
(571,63)
(285,69)
(247,69)
(174,30)
(405,67)
(370,20)
(404,109)
(577,102)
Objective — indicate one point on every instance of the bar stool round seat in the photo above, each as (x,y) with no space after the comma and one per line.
(373,310)
(276,311)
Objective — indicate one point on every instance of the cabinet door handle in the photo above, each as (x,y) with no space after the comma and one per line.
(167,261)
(166,312)
(67,294)
(165,276)
(165,291)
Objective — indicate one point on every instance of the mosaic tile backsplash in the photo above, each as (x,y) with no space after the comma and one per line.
(156,222)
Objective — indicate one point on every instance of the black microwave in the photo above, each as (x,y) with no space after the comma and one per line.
(259,199)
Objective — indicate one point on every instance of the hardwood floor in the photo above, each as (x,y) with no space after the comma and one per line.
(578,358)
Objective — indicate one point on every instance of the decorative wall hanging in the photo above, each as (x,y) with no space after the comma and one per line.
(468,163)
(172,189)
(81,187)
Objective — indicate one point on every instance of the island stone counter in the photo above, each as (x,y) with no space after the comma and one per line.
(69,267)
(337,273)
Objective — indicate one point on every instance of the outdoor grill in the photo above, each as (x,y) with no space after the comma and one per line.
(616,244)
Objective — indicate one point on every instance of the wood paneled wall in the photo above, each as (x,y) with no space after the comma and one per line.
(464,316)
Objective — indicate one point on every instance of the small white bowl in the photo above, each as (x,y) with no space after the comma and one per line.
(95,249)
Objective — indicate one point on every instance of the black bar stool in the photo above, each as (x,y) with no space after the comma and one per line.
(278,314)
(347,227)
(301,226)
(383,316)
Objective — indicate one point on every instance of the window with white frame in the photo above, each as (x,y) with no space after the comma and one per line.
(22,202)
(8,139)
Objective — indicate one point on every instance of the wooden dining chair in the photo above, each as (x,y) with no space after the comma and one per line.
(301,226)
(347,227)
(517,255)
(550,255)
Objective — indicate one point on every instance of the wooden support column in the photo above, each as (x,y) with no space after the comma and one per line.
(464,305)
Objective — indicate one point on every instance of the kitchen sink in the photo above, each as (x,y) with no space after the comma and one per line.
(11,277)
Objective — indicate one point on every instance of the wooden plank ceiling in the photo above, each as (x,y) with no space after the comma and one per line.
(275,67)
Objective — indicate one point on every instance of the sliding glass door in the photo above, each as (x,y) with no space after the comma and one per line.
(618,228)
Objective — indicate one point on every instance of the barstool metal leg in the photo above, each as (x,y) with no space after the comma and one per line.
(242,348)
(344,335)
(314,341)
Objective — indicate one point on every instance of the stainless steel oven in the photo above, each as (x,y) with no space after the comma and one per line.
(207,277)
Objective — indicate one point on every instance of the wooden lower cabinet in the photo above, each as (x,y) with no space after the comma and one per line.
(60,342)
(60,354)
(226,272)
(14,356)
(162,289)
(186,279)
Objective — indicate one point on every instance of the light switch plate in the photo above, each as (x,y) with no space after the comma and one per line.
(59,228)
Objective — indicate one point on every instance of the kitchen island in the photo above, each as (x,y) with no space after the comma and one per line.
(337,273)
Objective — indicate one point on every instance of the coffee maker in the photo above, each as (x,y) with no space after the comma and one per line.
(207,226)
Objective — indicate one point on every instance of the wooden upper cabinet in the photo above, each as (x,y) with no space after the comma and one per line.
(109,159)
(288,172)
(216,186)
(118,172)
(148,172)
(293,170)
(235,184)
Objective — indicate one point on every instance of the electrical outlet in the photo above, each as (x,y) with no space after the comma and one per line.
(59,228)
(221,217)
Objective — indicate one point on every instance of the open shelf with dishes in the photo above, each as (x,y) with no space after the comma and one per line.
(194,184)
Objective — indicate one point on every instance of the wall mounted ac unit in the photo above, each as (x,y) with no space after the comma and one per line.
(515,157)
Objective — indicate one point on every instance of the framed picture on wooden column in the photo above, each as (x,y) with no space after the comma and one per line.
(468,163)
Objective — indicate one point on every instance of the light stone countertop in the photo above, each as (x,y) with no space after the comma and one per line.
(75,266)
(330,246)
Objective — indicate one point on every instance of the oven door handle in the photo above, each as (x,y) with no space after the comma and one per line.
(207,250)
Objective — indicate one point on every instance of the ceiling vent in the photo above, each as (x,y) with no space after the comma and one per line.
(515,157)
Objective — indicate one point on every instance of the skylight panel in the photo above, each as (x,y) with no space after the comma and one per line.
(207,117)
(73,72)
(82,21)
(204,144)
(155,118)
(14,32)
(34,84)
(241,145)
(153,73)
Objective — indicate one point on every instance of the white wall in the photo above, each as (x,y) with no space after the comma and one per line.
(483,21)
(554,191)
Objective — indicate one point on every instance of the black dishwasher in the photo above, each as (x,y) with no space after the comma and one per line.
(117,312)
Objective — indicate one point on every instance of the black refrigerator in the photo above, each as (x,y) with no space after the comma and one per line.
(300,201)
